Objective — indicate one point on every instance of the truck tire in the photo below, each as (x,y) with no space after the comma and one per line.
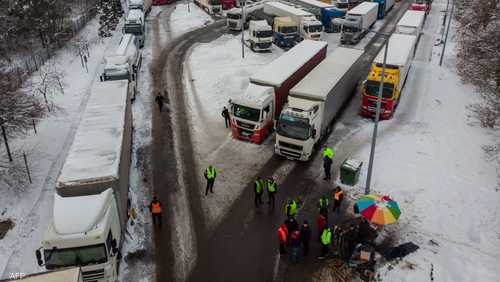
(252,46)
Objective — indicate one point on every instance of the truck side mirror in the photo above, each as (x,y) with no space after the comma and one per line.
(101,78)
(39,257)
(313,133)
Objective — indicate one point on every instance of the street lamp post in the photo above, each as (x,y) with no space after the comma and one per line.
(377,117)
(242,30)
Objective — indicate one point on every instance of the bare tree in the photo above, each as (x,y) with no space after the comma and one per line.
(48,80)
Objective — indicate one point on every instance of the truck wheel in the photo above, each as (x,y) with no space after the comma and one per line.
(252,46)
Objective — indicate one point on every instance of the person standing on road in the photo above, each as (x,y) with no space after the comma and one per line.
(259,189)
(338,196)
(305,237)
(327,162)
(326,240)
(291,224)
(210,175)
(323,206)
(160,100)
(283,238)
(295,245)
(225,115)
(272,187)
(291,208)
(321,223)
(155,209)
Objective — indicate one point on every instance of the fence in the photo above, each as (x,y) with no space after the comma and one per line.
(37,58)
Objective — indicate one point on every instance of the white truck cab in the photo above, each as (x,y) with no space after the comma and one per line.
(85,231)
(261,36)
(252,113)
(124,62)
(143,5)
(134,24)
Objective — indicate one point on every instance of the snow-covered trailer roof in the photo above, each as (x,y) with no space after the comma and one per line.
(135,14)
(95,152)
(399,50)
(285,9)
(126,40)
(65,275)
(315,3)
(412,19)
(362,8)
(321,80)
(279,70)
(260,24)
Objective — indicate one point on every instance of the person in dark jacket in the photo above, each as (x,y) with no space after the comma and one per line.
(291,224)
(225,115)
(327,165)
(321,223)
(305,237)
(295,246)
(160,100)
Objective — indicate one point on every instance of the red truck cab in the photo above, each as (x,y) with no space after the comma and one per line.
(228,4)
(421,5)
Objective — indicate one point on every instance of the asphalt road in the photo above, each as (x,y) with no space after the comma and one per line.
(244,246)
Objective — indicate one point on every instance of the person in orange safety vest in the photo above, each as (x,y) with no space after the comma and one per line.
(155,209)
(338,195)
(283,237)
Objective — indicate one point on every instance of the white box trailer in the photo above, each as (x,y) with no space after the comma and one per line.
(358,21)
(65,275)
(124,62)
(309,26)
(411,23)
(91,200)
(315,101)
(400,54)
(135,24)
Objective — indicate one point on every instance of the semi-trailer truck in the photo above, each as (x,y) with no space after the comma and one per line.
(312,6)
(411,23)
(135,24)
(384,6)
(309,26)
(90,204)
(212,7)
(314,103)
(235,20)
(252,115)
(143,5)
(328,15)
(124,62)
(261,36)
(399,58)
(421,5)
(358,22)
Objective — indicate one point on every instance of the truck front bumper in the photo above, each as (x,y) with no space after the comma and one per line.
(369,112)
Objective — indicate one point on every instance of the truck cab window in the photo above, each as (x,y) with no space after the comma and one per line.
(109,244)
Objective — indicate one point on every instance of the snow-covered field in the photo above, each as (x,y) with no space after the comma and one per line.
(184,19)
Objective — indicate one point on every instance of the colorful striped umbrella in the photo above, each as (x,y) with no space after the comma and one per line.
(378,209)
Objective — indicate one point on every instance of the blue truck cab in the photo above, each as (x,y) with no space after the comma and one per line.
(383,7)
(328,14)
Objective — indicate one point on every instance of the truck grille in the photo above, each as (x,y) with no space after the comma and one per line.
(264,45)
(373,103)
(93,275)
(245,125)
(290,154)
(291,146)
(232,24)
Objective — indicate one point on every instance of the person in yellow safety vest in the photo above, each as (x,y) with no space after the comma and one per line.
(327,162)
(155,209)
(291,208)
(210,175)
(338,196)
(323,206)
(326,240)
(272,187)
(259,189)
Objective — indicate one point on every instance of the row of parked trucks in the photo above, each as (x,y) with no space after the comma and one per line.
(90,208)
(303,91)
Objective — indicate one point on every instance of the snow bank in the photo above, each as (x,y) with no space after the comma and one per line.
(183,20)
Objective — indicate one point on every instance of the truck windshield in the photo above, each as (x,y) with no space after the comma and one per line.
(214,2)
(293,127)
(56,258)
(264,33)
(233,16)
(134,29)
(288,29)
(373,86)
(246,113)
(350,28)
(315,28)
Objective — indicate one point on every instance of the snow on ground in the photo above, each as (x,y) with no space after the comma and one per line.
(31,207)
(429,159)
(214,73)
(183,19)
